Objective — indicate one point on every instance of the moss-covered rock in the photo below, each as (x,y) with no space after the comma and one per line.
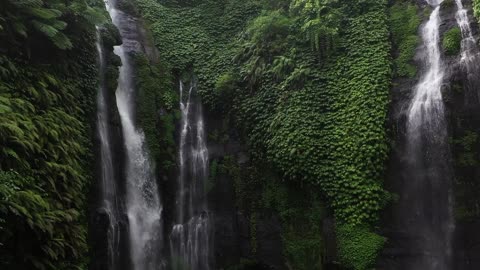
(404,21)
(358,247)
(452,41)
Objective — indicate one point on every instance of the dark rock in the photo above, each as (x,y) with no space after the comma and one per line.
(463,114)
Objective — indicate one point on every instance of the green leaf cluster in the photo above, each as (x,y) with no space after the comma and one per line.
(46,107)
(476,9)
(156,110)
(404,22)
(452,41)
(358,247)
(305,84)
(21,22)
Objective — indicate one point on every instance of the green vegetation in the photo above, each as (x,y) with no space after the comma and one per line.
(358,247)
(452,40)
(306,84)
(299,208)
(404,22)
(302,214)
(156,103)
(25,22)
(47,98)
(244,265)
(476,9)
(303,83)
(466,161)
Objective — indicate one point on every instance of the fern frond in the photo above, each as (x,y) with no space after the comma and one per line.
(43,13)
(20,28)
(46,29)
(26,3)
(62,41)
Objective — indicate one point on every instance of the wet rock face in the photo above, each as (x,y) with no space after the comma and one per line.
(463,116)
(464,107)
(98,240)
(133,31)
(233,235)
(269,246)
(99,220)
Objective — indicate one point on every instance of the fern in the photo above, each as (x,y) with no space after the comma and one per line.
(20,19)
(43,13)
(62,41)
(46,29)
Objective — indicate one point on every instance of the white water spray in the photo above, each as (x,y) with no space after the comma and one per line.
(470,54)
(190,238)
(426,108)
(429,183)
(109,203)
(142,194)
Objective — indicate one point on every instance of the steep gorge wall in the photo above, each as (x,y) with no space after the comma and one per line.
(263,219)
(139,51)
(48,84)
(264,179)
(464,105)
(463,109)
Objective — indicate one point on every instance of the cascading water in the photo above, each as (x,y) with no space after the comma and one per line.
(190,238)
(142,202)
(109,203)
(426,199)
(426,110)
(469,49)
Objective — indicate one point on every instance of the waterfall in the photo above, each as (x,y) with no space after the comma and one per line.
(143,206)
(426,199)
(108,186)
(469,50)
(426,110)
(189,239)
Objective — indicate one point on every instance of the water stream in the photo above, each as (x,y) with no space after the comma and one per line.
(190,237)
(427,198)
(469,49)
(143,205)
(109,203)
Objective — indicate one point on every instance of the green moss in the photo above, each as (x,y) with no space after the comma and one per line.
(156,108)
(253,232)
(316,119)
(467,206)
(212,176)
(225,87)
(476,9)
(404,22)
(468,155)
(448,3)
(302,233)
(244,264)
(358,247)
(452,40)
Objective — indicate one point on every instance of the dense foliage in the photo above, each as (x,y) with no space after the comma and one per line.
(25,22)
(404,22)
(306,82)
(476,9)
(47,96)
(157,109)
(452,40)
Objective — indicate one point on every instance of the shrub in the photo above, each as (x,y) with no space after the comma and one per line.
(358,247)
(404,23)
(452,41)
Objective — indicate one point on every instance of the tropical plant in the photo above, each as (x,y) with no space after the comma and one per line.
(21,21)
